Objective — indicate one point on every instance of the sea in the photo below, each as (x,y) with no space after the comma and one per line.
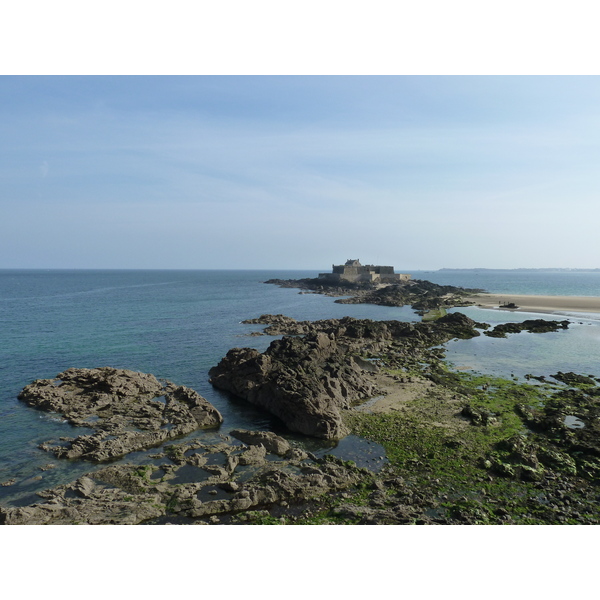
(178,324)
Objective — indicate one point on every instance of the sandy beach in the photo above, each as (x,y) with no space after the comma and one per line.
(543,304)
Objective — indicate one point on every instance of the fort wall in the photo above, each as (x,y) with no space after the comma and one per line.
(353,272)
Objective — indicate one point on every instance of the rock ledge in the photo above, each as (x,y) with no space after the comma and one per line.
(128,411)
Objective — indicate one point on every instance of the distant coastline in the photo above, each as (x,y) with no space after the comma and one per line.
(549,269)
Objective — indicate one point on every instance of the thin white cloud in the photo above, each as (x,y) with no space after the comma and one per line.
(268,189)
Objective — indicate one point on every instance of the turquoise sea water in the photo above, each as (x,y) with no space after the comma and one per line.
(550,283)
(178,324)
(576,349)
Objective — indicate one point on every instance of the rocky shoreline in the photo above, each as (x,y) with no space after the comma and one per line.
(460,448)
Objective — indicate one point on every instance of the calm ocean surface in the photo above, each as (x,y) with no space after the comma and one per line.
(178,324)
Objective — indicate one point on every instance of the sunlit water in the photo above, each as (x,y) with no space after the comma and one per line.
(178,324)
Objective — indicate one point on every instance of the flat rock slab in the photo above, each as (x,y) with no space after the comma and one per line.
(127,411)
(130,494)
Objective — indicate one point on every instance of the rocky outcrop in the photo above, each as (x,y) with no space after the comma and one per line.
(128,411)
(281,325)
(574,379)
(422,295)
(306,381)
(272,442)
(269,319)
(361,332)
(531,325)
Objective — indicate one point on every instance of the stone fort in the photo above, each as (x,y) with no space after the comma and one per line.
(353,271)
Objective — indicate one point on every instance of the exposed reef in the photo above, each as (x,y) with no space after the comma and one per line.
(420,294)
(531,325)
(128,411)
(196,482)
(307,381)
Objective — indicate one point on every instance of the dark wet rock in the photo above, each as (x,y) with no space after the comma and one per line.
(420,294)
(540,378)
(456,325)
(570,447)
(564,437)
(574,379)
(364,331)
(128,411)
(531,325)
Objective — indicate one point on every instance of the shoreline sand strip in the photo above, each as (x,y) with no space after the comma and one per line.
(543,304)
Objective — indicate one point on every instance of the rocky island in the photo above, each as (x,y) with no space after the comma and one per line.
(372,284)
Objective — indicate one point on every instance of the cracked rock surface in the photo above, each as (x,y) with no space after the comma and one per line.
(126,410)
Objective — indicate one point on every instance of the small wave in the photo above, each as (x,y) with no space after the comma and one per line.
(53,419)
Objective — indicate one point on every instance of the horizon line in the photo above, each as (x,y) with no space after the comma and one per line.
(289,269)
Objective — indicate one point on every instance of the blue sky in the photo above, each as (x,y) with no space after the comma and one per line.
(421,172)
